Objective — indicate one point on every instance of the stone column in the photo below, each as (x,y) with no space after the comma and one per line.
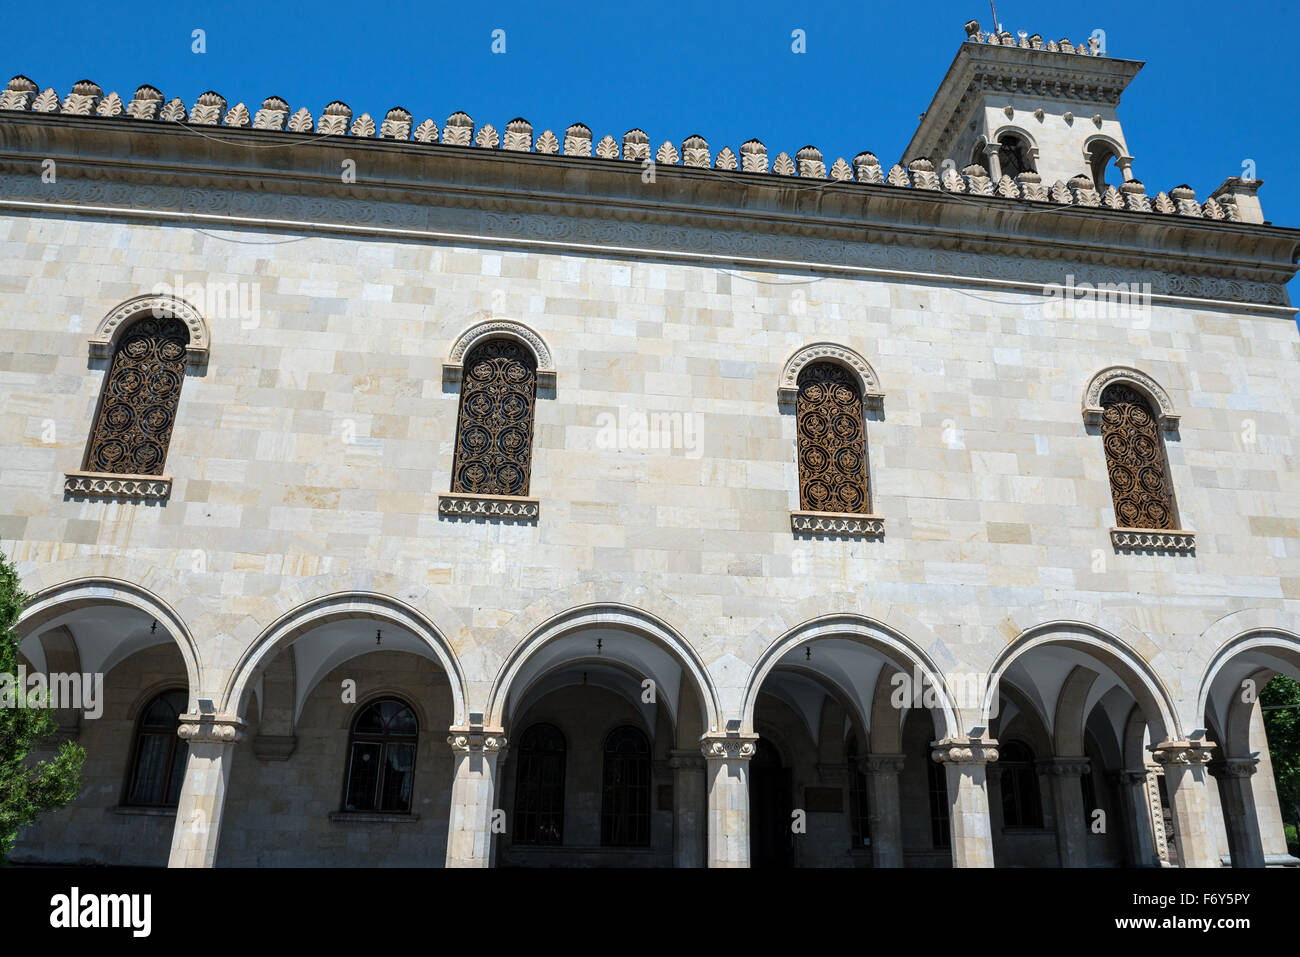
(689,803)
(473,794)
(1139,838)
(1063,776)
(994,163)
(1125,164)
(1245,843)
(1186,780)
(211,740)
(884,808)
(965,761)
(728,757)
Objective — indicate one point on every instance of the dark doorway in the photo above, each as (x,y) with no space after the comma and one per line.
(770,805)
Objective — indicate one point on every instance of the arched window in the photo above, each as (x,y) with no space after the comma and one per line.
(832,441)
(625,793)
(381,758)
(494,433)
(158,758)
(539,787)
(1101,155)
(1021,802)
(138,406)
(859,821)
(1135,459)
(1013,156)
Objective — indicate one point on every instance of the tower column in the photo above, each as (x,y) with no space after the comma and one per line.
(728,757)
(1237,796)
(689,803)
(884,808)
(470,838)
(1187,782)
(1064,776)
(202,805)
(965,762)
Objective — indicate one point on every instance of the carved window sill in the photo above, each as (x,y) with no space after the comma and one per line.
(140,488)
(1153,540)
(371,817)
(510,508)
(128,810)
(845,524)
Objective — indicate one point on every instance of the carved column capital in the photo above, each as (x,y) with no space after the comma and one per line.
(684,760)
(1234,767)
(964,750)
(728,747)
(476,738)
(211,729)
(1186,753)
(882,763)
(1129,777)
(1074,767)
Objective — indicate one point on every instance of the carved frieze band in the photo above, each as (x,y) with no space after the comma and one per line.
(466,505)
(837,523)
(1183,752)
(1153,540)
(358,214)
(109,485)
(1064,767)
(468,740)
(882,763)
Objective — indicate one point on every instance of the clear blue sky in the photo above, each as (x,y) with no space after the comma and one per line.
(1218,88)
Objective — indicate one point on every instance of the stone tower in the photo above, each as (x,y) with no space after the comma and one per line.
(1017,105)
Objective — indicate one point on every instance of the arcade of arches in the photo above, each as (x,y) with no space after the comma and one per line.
(602,743)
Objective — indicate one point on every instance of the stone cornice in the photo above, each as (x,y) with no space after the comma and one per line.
(1188,753)
(964,750)
(476,738)
(211,729)
(581,202)
(1065,767)
(728,747)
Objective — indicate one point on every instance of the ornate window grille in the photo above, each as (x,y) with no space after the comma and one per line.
(494,431)
(138,406)
(1135,460)
(832,441)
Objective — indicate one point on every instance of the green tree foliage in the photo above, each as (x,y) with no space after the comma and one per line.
(1280,701)
(27,789)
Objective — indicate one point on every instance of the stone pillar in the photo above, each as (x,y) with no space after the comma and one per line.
(473,794)
(689,804)
(1063,776)
(1139,838)
(728,756)
(1125,164)
(211,740)
(1245,843)
(966,761)
(1187,782)
(994,163)
(884,808)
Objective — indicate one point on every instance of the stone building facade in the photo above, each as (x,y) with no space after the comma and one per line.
(520,499)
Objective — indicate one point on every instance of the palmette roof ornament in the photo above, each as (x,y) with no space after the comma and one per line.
(275,114)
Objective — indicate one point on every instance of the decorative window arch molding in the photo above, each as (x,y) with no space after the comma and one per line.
(859,367)
(454,366)
(1167,415)
(110,328)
